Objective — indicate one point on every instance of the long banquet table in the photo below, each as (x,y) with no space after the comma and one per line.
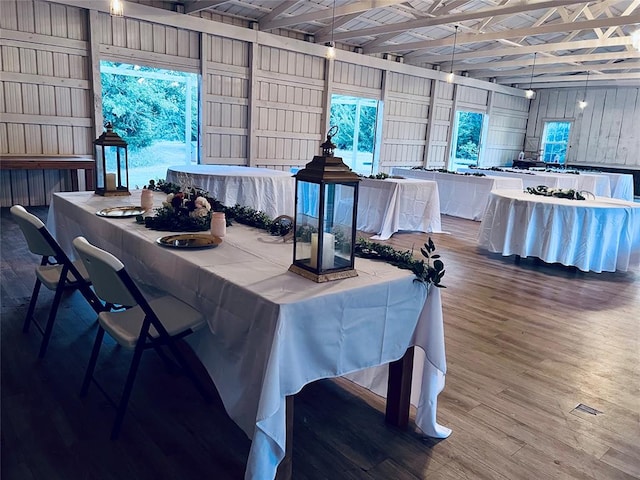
(462,196)
(270,332)
(391,205)
(271,191)
(594,183)
(593,235)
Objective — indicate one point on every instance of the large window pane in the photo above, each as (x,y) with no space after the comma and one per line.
(156,112)
(555,142)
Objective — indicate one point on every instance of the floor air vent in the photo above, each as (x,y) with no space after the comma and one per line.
(587,409)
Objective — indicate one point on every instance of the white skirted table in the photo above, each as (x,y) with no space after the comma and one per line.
(462,196)
(391,205)
(621,185)
(270,331)
(271,191)
(592,182)
(601,235)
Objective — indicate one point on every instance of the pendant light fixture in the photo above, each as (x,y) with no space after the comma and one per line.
(331,46)
(529,93)
(453,56)
(116,8)
(583,103)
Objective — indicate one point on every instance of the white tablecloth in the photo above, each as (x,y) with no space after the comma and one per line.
(621,184)
(462,196)
(270,332)
(271,191)
(598,185)
(391,205)
(593,235)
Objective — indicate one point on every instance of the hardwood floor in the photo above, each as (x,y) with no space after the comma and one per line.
(526,344)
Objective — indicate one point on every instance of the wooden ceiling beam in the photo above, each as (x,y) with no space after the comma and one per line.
(276,11)
(544,47)
(519,32)
(528,61)
(454,18)
(603,67)
(358,7)
(194,6)
(524,80)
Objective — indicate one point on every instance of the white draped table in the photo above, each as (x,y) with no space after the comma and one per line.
(595,183)
(270,332)
(601,235)
(462,196)
(391,205)
(271,191)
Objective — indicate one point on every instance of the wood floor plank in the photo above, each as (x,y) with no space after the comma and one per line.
(525,342)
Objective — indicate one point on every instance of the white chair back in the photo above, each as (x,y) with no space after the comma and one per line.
(104,270)
(32,228)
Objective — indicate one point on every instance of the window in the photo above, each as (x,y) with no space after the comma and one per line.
(156,112)
(555,142)
(465,150)
(356,137)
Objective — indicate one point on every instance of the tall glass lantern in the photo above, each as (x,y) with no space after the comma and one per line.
(112,163)
(325,218)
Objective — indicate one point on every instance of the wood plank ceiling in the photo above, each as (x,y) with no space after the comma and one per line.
(496,39)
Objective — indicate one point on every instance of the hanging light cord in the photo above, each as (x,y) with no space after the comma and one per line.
(586,84)
(453,53)
(532,69)
(333,22)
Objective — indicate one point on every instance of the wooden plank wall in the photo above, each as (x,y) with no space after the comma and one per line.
(225,90)
(289,103)
(605,133)
(264,97)
(46,106)
(406,116)
(507,126)
(439,131)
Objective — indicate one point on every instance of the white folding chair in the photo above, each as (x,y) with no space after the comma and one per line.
(134,322)
(56,272)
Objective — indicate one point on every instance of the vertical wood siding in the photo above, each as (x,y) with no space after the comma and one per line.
(271,99)
(225,87)
(604,133)
(507,127)
(46,106)
(440,125)
(357,80)
(405,121)
(289,101)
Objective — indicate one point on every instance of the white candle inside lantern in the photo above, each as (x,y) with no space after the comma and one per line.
(111,182)
(328,250)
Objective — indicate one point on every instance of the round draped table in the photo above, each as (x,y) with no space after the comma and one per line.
(601,235)
(271,191)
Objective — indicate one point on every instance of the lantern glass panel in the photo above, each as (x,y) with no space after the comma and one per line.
(99,167)
(342,223)
(307,220)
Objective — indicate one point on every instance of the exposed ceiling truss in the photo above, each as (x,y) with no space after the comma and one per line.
(496,39)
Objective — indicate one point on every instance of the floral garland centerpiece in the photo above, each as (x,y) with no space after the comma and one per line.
(185,209)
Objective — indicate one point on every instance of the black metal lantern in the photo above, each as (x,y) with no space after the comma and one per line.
(325,219)
(112,163)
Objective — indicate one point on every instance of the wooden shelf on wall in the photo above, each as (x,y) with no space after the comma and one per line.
(30,179)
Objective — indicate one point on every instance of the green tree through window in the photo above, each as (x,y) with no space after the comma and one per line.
(555,142)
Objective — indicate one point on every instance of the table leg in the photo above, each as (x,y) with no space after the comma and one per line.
(399,390)
(285,468)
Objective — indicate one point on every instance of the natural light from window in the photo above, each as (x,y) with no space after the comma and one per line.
(156,112)
(555,142)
